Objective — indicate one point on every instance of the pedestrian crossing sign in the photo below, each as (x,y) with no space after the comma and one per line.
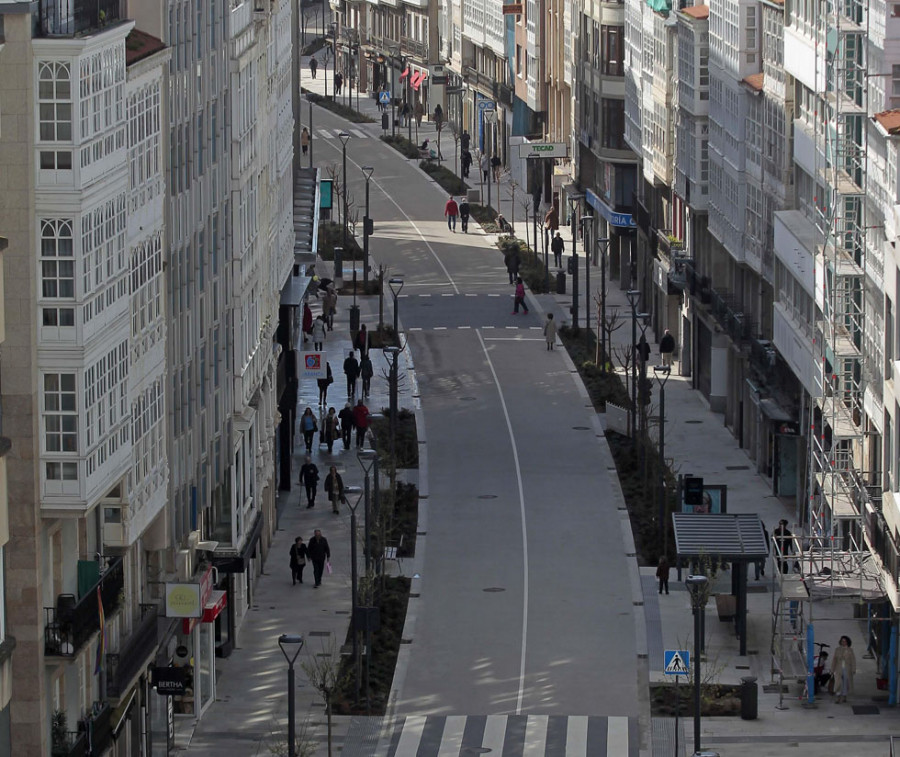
(384,98)
(677,662)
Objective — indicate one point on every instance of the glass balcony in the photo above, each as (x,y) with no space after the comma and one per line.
(74,18)
(71,624)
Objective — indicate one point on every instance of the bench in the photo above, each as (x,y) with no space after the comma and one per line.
(392,554)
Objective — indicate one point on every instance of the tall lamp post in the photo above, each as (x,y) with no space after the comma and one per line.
(661,372)
(394,51)
(333,27)
(392,354)
(490,116)
(354,308)
(396,285)
(367,230)
(697,585)
(309,97)
(353,494)
(603,245)
(291,644)
(588,222)
(575,201)
(367,458)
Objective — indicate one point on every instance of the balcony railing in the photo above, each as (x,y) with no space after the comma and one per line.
(94,734)
(69,625)
(71,18)
(739,326)
(410,46)
(123,666)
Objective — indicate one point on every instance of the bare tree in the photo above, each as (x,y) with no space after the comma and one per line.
(611,324)
(322,670)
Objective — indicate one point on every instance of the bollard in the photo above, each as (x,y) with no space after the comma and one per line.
(749,698)
(560,283)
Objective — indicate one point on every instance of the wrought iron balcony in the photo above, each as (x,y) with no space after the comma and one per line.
(94,734)
(668,244)
(69,625)
(739,326)
(73,18)
(123,666)
(410,46)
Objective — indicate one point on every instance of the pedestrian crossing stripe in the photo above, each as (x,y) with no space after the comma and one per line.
(514,736)
(329,135)
(677,662)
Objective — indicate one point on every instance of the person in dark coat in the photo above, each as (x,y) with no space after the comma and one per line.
(331,430)
(313,67)
(513,261)
(666,348)
(298,560)
(558,247)
(309,477)
(760,565)
(361,422)
(464,213)
(662,573)
(351,371)
(362,340)
(784,539)
(307,321)
(366,371)
(464,141)
(318,551)
(465,163)
(346,419)
(520,297)
(334,488)
(324,383)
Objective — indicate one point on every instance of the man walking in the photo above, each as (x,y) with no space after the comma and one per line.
(309,477)
(451,211)
(464,212)
(361,421)
(666,348)
(346,419)
(351,371)
(319,552)
(558,246)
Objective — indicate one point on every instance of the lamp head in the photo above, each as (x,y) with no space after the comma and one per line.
(396,284)
(696,583)
(368,171)
(633,295)
(290,642)
(344,137)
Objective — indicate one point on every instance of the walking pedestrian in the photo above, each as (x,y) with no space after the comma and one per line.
(662,573)
(351,371)
(405,113)
(495,164)
(550,331)
(331,429)
(338,83)
(551,220)
(451,211)
(485,165)
(346,419)
(298,560)
(362,340)
(307,322)
(760,565)
(319,553)
(438,114)
(464,140)
(313,67)
(784,541)
(465,163)
(304,140)
(334,488)
(843,668)
(520,297)
(419,113)
(361,422)
(308,427)
(324,383)
(464,212)
(366,371)
(558,246)
(513,260)
(329,306)
(318,333)
(309,477)
(666,348)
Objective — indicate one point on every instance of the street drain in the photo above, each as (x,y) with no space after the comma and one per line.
(865,709)
(581,428)
(692,421)
(492,589)
(468,399)
(737,467)
(487,496)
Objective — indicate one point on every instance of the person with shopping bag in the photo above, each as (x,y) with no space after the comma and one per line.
(319,553)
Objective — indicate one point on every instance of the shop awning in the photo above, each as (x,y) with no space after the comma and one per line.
(418,79)
(293,291)
(404,74)
(228,560)
(215,604)
(120,714)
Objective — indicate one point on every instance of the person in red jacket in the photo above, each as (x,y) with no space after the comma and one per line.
(451,211)
(361,421)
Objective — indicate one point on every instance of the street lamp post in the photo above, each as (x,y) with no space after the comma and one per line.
(392,354)
(697,585)
(309,96)
(367,459)
(354,308)
(634,296)
(285,642)
(394,51)
(662,376)
(575,201)
(396,285)
(367,229)
(587,232)
(333,27)
(354,493)
(603,244)
(491,117)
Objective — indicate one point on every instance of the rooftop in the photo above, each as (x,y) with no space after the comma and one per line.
(140,45)
(889,120)
(755,81)
(697,11)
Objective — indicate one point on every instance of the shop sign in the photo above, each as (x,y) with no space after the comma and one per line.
(183,601)
(513,9)
(544,150)
(170,681)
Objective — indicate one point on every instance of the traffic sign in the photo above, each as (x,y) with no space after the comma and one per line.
(384,98)
(487,105)
(677,662)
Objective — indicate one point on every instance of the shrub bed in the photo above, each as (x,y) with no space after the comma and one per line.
(445,177)
(403,146)
(331,236)
(329,103)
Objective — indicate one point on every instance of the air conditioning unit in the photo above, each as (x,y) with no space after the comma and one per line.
(184,564)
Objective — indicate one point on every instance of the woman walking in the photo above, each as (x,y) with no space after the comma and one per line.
(366,371)
(324,383)
(332,429)
(298,560)
(843,668)
(318,334)
(334,488)
(520,297)
(308,427)
(550,335)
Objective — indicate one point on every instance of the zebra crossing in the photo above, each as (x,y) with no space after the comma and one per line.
(333,133)
(515,736)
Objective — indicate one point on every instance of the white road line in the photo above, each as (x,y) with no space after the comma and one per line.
(358,133)
(451,742)
(536,736)
(440,328)
(494,734)
(471,294)
(411,735)
(424,295)
(415,328)
(512,327)
(448,294)
(617,735)
(496,295)
(488,327)
(576,737)
(463,327)
(515,451)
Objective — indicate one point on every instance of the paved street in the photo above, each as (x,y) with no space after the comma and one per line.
(531,629)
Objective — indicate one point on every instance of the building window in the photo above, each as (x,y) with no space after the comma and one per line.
(60,413)
(55,102)
(57,271)
(613,115)
(613,60)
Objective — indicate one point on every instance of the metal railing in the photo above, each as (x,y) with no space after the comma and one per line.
(70,18)
(67,629)
(123,666)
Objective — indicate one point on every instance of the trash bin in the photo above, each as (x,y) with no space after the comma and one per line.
(385,121)
(560,282)
(749,698)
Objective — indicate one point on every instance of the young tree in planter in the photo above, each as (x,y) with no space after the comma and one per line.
(322,671)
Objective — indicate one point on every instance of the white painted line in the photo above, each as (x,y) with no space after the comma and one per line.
(494,734)
(488,327)
(424,295)
(358,133)
(536,736)
(496,295)
(513,327)
(576,736)
(411,735)
(415,328)
(454,729)
(471,294)
(448,294)
(617,735)
(440,328)
(463,327)
(525,562)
